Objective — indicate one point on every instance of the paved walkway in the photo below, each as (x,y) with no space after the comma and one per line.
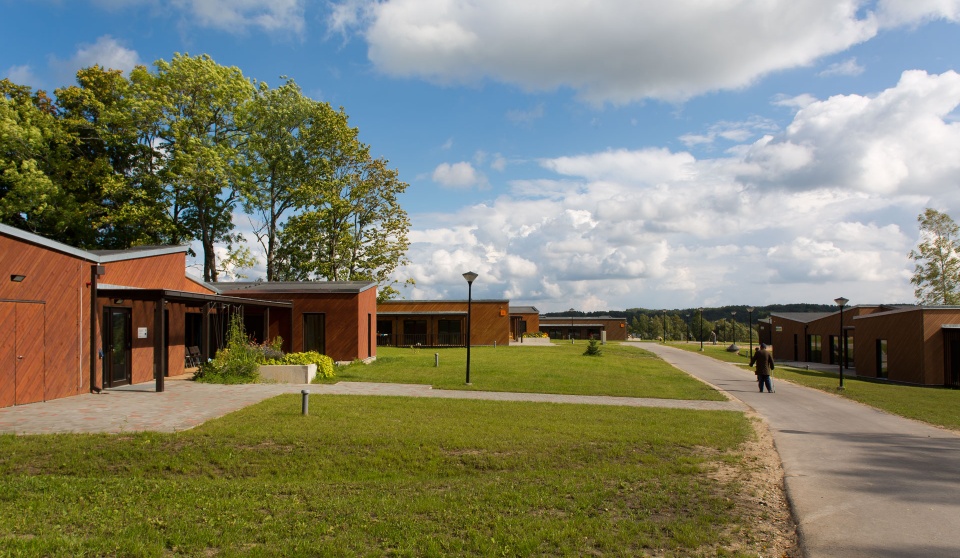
(185,404)
(862,482)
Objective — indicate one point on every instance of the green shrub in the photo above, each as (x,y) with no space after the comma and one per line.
(234,364)
(323,362)
(593,349)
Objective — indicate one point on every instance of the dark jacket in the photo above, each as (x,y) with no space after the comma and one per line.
(764,362)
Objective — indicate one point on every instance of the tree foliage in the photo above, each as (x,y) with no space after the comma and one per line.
(169,154)
(936,274)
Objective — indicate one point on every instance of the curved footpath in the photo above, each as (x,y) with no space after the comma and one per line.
(862,482)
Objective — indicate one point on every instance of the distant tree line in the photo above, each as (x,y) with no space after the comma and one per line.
(169,154)
(726,322)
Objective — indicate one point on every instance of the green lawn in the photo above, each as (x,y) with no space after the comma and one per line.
(387,476)
(621,371)
(935,405)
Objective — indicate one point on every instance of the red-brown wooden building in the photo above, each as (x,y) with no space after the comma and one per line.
(76,321)
(907,344)
(563,327)
(438,323)
(335,318)
(523,319)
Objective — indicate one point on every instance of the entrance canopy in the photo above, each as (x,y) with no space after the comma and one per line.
(160,297)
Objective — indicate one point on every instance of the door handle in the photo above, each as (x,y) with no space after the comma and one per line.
(20,357)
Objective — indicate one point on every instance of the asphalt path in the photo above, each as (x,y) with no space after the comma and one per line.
(862,482)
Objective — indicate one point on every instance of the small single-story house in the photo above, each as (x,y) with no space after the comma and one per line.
(77,321)
(562,327)
(442,323)
(523,319)
(335,318)
(908,344)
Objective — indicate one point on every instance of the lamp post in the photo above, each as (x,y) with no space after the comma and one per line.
(686,322)
(750,326)
(470,277)
(701,329)
(664,326)
(840,302)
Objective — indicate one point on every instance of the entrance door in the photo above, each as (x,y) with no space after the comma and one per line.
(117,340)
(22,354)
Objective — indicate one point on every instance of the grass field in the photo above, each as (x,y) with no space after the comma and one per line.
(621,371)
(934,405)
(393,476)
(375,476)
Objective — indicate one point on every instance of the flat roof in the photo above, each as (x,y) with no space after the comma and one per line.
(425,313)
(294,287)
(570,325)
(135,293)
(524,310)
(95,256)
(574,318)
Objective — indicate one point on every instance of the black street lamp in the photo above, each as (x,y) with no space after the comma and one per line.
(664,326)
(840,302)
(470,277)
(701,329)
(750,327)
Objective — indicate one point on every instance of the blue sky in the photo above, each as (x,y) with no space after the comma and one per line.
(598,155)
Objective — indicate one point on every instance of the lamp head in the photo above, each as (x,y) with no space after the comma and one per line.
(470,277)
(841,302)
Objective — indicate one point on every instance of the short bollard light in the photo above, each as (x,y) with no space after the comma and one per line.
(436,360)
(304,402)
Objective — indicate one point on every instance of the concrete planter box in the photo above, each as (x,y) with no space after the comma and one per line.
(288,373)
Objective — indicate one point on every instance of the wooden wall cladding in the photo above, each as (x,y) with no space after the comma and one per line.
(8,355)
(616,328)
(60,282)
(490,320)
(904,334)
(342,320)
(155,272)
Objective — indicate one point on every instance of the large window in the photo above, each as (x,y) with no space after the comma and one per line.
(814,349)
(882,371)
(449,332)
(314,333)
(414,332)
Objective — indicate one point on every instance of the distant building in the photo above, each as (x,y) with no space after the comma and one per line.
(442,323)
(523,319)
(561,327)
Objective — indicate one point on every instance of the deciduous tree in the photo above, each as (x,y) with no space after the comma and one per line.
(936,274)
(204,167)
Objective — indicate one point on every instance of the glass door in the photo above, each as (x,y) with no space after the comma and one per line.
(117,342)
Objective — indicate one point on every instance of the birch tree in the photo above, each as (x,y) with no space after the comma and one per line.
(936,274)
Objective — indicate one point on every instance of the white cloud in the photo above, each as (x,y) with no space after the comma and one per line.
(892,143)
(617,51)
(23,75)
(460,175)
(106,52)
(825,206)
(848,67)
(232,16)
(526,117)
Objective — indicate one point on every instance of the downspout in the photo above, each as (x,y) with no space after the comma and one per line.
(95,271)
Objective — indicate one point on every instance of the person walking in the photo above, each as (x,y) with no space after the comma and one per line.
(764,362)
